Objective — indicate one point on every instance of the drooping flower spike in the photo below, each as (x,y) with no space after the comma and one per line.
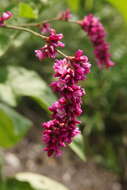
(59,131)
(97,35)
(5,16)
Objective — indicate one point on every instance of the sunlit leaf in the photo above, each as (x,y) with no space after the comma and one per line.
(73,5)
(88,5)
(40,182)
(25,10)
(9,97)
(121,5)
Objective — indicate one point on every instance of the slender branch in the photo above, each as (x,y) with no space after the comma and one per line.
(45,21)
(73,21)
(26,30)
(61,53)
(34,33)
(40,23)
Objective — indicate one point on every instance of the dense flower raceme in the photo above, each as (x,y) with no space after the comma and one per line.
(5,16)
(60,131)
(49,49)
(97,34)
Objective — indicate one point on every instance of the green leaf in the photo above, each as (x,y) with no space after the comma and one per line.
(88,5)
(73,5)
(25,10)
(40,182)
(9,98)
(13,126)
(6,39)
(14,184)
(94,123)
(10,39)
(28,83)
(110,159)
(78,147)
(30,181)
(22,82)
(121,6)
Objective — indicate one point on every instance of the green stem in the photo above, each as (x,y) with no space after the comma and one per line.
(34,33)
(61,53)
(40,23)
(45,21)
(26,30)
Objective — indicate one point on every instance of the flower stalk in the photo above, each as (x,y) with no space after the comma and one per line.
(26,30)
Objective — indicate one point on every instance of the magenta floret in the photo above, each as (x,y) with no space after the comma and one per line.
(65,15)
(5,16)
(49,50)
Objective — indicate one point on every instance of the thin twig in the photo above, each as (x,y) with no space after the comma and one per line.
(61,53)
(34,33)
(46,21)
(26,30)
(40,23)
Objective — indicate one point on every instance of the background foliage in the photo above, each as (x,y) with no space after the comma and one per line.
(104,122)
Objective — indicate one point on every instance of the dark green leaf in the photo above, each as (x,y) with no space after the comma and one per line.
(78,147)
(13,126)
(14,184)
(6,39)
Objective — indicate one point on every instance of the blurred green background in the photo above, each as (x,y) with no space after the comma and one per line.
(25,95)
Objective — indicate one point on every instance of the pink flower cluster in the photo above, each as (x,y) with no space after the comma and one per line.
(60,131)
(49,50)
(97,34)
(5,16)
(46,28)
(65,15)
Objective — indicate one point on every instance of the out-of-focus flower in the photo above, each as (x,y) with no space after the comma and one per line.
(97,35)
(5,16)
